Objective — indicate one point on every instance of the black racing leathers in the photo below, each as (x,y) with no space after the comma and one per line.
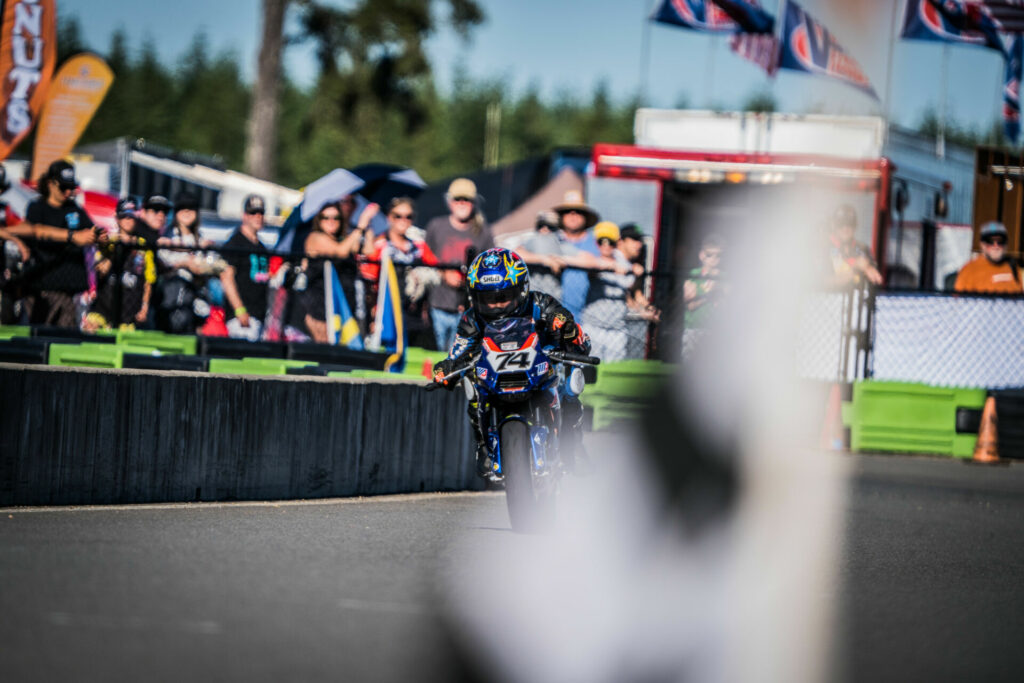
(557,327)
(553,321)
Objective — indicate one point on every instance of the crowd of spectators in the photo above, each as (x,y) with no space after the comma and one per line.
(154,270)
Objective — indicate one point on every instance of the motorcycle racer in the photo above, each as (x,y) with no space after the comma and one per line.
(499,287)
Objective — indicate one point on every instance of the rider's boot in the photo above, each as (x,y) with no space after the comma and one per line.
(484,461)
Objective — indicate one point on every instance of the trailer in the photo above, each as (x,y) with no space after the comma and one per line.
(693,171)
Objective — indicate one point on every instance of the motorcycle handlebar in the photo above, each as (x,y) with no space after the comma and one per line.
(559,356)
(454,375)
(569,357)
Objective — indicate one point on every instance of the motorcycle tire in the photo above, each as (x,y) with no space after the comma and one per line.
(530,503)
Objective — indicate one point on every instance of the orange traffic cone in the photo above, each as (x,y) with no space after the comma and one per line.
(428,369)
(987,449)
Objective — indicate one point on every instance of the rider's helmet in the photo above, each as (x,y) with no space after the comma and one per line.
(499,283)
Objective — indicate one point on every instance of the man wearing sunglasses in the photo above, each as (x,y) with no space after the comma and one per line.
(994,271)
(57,230)
(247,274)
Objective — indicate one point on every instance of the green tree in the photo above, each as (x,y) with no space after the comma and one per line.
(69,38)
(210,90)
(762,101)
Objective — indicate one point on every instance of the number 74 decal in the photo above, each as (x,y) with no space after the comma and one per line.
(516,359)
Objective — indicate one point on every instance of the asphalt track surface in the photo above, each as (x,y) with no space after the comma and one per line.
(931,584)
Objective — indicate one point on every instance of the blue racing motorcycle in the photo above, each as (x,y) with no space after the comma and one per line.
(517,385)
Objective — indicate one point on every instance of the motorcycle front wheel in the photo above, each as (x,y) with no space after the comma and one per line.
(531,502)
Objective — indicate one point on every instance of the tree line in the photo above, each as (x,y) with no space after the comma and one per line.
(374,98)
(350,114)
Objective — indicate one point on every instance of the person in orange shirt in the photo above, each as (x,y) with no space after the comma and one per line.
(993,272)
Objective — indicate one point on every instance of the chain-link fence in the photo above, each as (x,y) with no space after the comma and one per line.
(833,334)
(933,338)
(956,340)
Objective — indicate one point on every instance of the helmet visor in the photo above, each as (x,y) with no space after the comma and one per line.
(498,297)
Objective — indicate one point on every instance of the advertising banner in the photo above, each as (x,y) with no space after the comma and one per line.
(1011,88)
(74,96)
(28,50)
(809,47)
(697,15)
(760,48)
(949,21)
(748,15)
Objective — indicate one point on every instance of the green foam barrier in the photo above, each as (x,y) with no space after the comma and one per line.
(87,354)
(12,331)
(414,357)
(375,374)
(621,387)
(902,417)
(255,366)
(166,344)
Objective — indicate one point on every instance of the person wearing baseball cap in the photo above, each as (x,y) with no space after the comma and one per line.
(993,271)
(158,202)
(247,273)
(52,223)
(455,239)
(631,243)
(604,313)
(129,223)
(641,312)
(126,273)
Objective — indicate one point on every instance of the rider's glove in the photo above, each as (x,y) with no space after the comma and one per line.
(442,369)
(574,338)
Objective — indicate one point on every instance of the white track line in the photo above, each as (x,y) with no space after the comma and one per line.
(392,498)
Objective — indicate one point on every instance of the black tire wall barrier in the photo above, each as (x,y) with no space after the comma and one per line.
(72,436)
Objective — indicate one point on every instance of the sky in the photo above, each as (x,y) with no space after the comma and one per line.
(570,46)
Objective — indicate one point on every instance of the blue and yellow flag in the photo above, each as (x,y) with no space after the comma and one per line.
(342,328)
(388,329)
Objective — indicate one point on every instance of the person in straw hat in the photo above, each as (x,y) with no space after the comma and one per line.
(573,245)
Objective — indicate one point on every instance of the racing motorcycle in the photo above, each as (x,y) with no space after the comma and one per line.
(515,383)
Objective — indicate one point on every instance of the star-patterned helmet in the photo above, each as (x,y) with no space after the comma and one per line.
(499,283)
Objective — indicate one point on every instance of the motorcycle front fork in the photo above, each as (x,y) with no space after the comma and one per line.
(544,430)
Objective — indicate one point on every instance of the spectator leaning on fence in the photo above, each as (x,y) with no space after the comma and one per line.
(456,238)
(331,238)
(543,248)
(405,253)
(51,241)
(701,291)
(993,271)
(181,286)
(852,262)
(641,313)
(604,314)
(124,261)
(10,260)
(576,220)
(247,274)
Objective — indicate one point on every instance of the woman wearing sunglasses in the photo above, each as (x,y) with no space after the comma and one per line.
(405,252)
(993,271)
(399,247)
(332,239)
